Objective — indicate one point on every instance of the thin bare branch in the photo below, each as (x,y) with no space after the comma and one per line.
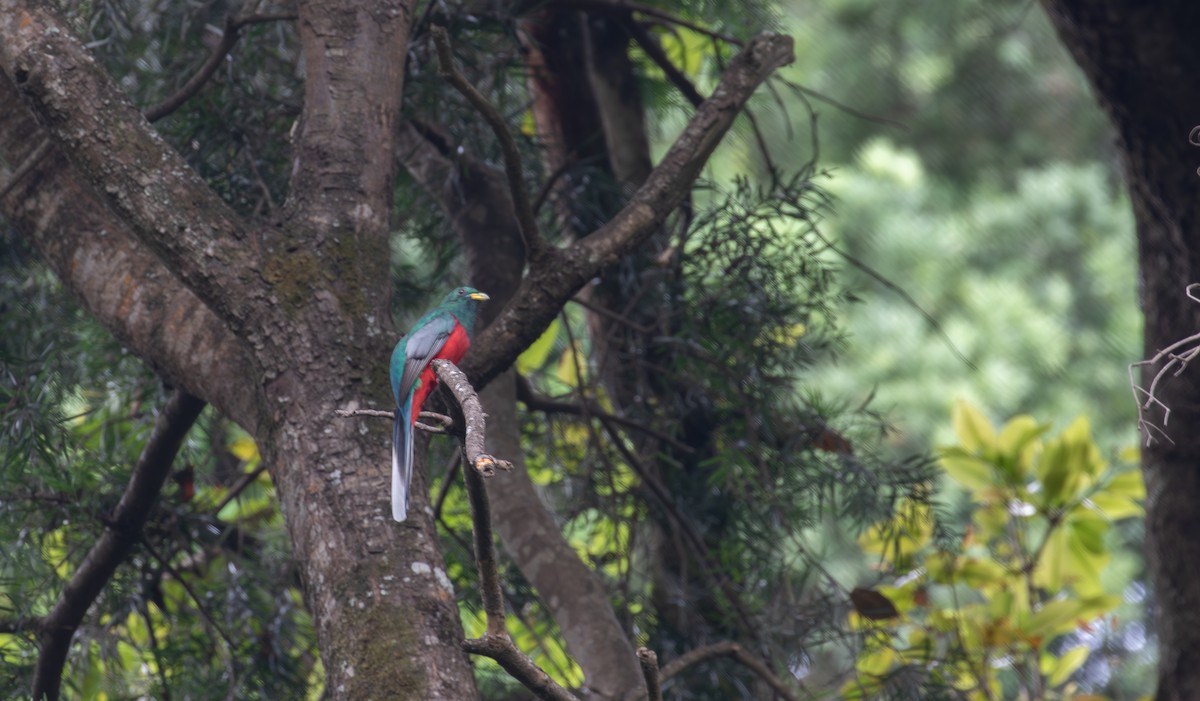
(1177,356)
(731,649)
(501,649)
(587,409)
(21,624)
(445,421)
(123,530)
(650,11)
(26,166)
(535,246)
(654,50)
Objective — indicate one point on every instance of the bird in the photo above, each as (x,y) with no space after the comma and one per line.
(444,332)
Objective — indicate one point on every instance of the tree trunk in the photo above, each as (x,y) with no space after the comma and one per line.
(1143,61)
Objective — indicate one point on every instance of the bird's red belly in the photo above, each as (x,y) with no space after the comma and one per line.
(454,350)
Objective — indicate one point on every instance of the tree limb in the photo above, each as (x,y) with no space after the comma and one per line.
(731,649)
(115,278)
(122,532)
(549,285)
(166,204)
(535,246)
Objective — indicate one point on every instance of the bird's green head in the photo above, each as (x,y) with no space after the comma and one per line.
(464,303)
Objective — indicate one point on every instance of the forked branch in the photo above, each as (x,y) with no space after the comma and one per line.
(1176,357)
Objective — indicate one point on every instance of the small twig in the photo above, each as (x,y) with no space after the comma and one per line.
(1177,361)
(649,662)
(240,486)
(229,647)
(229,38)
(655,52)
(880,278)
(446,422)
(649,11)
(735,651)
(535,247)
(27,165)
(536,402)
(21,624)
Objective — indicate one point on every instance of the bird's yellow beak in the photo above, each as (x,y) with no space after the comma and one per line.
(478,296)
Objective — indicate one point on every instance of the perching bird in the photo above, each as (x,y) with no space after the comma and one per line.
(444,332)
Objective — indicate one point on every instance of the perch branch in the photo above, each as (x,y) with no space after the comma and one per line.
(496,643)
(535,247)
(474,427)
(123,530)
(649,662)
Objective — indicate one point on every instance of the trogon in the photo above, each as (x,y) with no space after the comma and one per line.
(443,332)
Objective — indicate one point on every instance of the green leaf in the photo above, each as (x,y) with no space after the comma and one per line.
(966,469)
(1115,506)
(536,354)
(1058,669)
(1017,444)
(1129,484)
(1054,618)
(974,431)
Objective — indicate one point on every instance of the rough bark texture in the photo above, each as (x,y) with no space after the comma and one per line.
(1144,63)
(280,324)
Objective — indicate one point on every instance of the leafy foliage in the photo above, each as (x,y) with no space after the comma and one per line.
(996,617)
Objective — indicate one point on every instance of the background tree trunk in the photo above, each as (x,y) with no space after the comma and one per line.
(1143,61)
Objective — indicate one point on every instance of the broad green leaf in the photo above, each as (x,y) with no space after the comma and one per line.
(244,448)
(1053,564)
(1017,444)
(981,574)
(1129,484)
(1054,618)
(1115,506)
(974,431)
(536,354)
(966,469)
(1058,669)
(877,662)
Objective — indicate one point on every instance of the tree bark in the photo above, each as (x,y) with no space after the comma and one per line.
(1143,61)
